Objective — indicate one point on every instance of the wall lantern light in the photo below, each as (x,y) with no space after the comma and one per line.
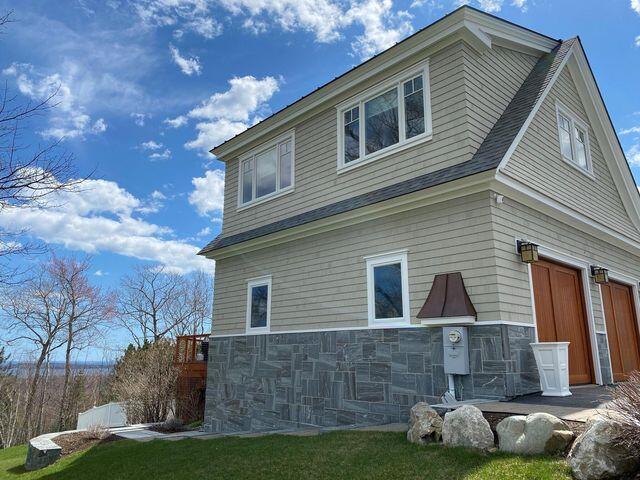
(599,274)
(528,251)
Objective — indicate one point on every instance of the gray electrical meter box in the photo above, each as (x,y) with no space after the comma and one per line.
(456,350)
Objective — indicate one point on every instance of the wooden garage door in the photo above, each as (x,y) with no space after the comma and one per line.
(561,315)
(622,329)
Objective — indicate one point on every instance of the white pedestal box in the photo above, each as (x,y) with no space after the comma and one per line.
(552,359)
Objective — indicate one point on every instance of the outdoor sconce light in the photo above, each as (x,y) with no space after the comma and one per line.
(599,274)
(528,251)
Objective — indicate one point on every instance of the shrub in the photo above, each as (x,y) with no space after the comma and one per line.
(145,380)
(626,411)
(98,432)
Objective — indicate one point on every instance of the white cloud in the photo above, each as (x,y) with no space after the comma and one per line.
(208,194)
(635,5)
(139,118)
(382,27)
(100,273)
(183,15)
(151,145)
(490,6)
(637,41)
(633,155)
(521,4)
(188,66)
(177,122)
(100,216)
(166,153)
(228,113)
(69,118)
(205,232)
(627,131)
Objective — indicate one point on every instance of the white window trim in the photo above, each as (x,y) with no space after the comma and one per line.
(575,120)
(360,99)
(257,282)
(256,151)
(386,259)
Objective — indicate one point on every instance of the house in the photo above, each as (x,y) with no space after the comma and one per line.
(468,176)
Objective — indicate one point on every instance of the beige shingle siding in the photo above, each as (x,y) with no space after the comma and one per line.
(538,163)
(320,281)
(467,97)
(513,220)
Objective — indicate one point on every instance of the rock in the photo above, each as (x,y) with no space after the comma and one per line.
(42,452)
(466,427)
(596,455)
(534,434)
(425,425)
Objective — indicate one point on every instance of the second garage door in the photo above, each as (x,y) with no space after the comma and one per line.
(622,329)
(561,315)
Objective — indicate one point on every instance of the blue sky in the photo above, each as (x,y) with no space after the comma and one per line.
(148,86)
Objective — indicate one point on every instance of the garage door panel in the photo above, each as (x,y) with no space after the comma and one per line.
(622,329)
(561,315)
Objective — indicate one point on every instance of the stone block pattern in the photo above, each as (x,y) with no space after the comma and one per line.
(340,378)
(603,354)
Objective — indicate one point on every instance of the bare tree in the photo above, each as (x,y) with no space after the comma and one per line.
(89,309)
(36,314)
(29,174)
(153,304)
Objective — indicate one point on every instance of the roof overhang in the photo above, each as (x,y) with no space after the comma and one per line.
(478,29)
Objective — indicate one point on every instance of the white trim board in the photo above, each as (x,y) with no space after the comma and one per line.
(366,327)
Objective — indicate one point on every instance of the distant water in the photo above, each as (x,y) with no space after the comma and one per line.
(57,368)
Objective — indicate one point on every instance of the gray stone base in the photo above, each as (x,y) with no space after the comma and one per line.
(603,355)
(42,452)
(354,377)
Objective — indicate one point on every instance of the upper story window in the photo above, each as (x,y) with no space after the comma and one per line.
(267,171)
(385,118)
(573,134)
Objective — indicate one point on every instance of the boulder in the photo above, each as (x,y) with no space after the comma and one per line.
(534,434)
(42,452)
(425,425)
(467,427)
(596,455)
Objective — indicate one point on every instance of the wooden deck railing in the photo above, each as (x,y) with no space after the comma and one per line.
(189,350)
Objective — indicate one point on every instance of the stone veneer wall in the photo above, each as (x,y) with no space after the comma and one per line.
(353,377)
(603,354)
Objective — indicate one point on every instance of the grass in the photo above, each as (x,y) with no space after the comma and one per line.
(336,455)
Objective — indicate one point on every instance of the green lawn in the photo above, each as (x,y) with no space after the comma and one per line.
(336,455)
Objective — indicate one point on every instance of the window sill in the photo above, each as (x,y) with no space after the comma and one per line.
(586,173)
(389,324)
(398,147)
(257,331)
(264,199)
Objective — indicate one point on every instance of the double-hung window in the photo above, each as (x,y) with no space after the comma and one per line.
(385,118)
(574,139)
(267,171)
(259,305)
(388,289)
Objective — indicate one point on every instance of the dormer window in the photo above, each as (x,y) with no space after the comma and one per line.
(267,171)
(574,139)
(385,118)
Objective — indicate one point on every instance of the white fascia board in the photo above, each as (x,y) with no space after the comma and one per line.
(605,133)
(434,322)
(473,27)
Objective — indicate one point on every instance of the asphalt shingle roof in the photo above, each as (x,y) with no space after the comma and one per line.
(487,157)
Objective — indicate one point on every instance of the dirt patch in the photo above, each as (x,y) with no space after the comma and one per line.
(78,441)
(168,428)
